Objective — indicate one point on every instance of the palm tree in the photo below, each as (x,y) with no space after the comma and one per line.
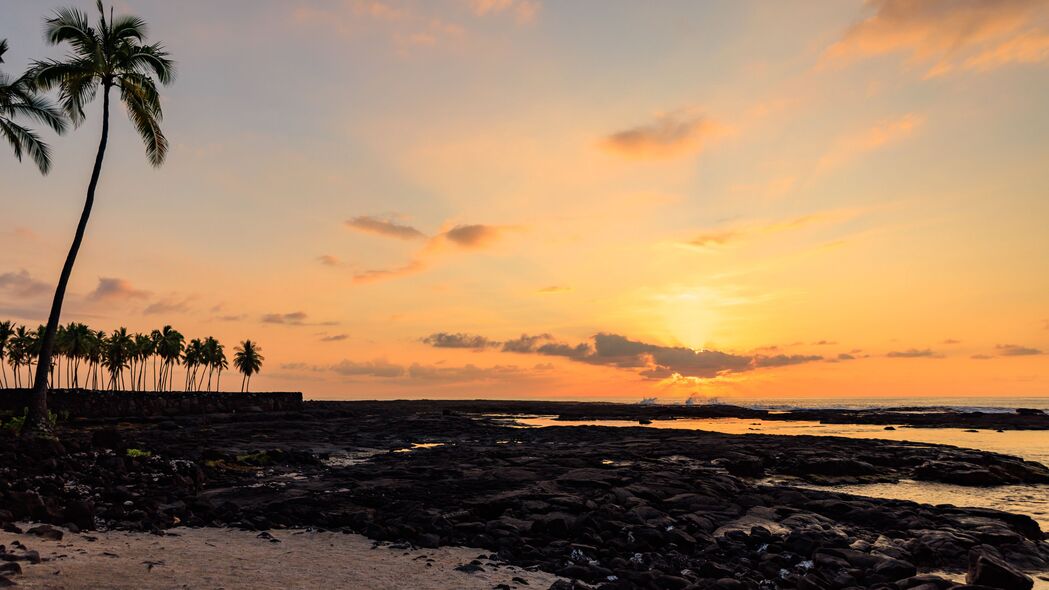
(169,349)
(191,359)
(18,99)
(6,331)
(96,354)
(248,360)
(219,362)
(118,350)
(211,350)
(111,54)
(144,348)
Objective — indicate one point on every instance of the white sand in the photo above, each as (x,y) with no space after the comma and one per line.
(227,558)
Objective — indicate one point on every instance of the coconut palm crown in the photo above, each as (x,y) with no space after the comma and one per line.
(19,100)
(248,360)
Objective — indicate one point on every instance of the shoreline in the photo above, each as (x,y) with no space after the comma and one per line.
(612,507)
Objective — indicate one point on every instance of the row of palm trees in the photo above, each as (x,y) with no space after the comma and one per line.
(108,58)
(85,358)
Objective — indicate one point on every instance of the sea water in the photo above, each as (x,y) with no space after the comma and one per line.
(1032,445)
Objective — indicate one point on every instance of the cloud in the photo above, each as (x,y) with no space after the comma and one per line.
(375,368)
(785,360)
(554,289)
(523,11)
(652,361)
(846,357)
(295,318)
(114,289)
(952,341)
(718,238)
(384,228)
(472,236)
(465,373)
(463,237)
(524,343)
(329,260)
(1016,350)
(458,340)
(379,274)
(334,338)
(912,353)
(168,305)
(383,369)
(981,357)
(667,136)
(21,284)
(824,342)
(880,134)
(941,36)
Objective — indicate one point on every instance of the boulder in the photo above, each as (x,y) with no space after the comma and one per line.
(988,570)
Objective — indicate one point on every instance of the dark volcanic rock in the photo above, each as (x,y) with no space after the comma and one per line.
(987,570)
(611,507)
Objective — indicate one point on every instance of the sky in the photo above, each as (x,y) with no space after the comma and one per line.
(569,200)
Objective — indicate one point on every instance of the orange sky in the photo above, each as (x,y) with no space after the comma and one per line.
(518,198)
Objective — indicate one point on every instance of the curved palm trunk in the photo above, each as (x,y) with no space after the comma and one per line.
(36,419)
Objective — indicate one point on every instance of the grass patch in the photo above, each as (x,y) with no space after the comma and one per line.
(135,453)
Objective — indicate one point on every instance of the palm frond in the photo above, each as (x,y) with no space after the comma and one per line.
(146,59)
(3,49)
(24,140)
(71,25)
(128,27)
(24,102)
(140,96)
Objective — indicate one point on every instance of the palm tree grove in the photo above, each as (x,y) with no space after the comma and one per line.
(84,358)
(107,56)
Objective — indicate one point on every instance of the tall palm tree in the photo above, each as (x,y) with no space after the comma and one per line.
(219,363)
(169,349)
(111,54)
(144,348)
(6,331)
(191,359)
(248,360)
(19,100)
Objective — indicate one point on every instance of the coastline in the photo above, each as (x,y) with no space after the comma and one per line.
(611,507)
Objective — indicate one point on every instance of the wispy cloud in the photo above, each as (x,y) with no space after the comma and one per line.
(523,11)
(719,238)
(554,289)
(871,138)
(1016,350)
(384,227)
(652,361)
(329,260)
(913,353)
(458,340)
(472,236)
(21,284)
(115,289)
(380,274)
(941,36)
(667,136)
(169,305)
(294,318)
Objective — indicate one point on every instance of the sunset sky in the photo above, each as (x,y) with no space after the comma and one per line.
(570,199)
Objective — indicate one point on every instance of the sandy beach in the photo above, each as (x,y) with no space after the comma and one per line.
(230,558)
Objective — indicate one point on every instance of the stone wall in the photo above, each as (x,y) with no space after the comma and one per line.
(81,403)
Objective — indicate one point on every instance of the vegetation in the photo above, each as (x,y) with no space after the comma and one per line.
(111,53)
(19,100)
(248,361)
(89,359)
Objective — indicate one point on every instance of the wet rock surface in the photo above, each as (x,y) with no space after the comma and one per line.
(608,507)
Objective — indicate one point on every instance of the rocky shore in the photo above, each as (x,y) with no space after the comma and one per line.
(609,508)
